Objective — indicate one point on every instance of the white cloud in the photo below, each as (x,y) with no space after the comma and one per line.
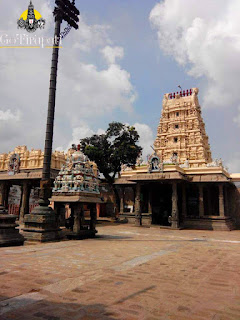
(204,37)
(91,36)
(9,115)
(234,163)
(80,132)
(86,88)
(237,118)
(98,91)
(146,138)
(112,53)
(100,131)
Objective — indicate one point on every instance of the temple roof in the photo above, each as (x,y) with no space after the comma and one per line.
(181,134)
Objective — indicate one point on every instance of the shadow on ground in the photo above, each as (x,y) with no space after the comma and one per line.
(110,237)
(35,307)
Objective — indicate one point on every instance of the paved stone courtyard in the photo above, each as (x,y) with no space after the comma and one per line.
(125,273)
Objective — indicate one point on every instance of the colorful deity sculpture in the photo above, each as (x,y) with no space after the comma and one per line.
(77,175)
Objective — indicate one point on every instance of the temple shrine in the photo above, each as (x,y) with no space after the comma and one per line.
(181,186)
(77,185)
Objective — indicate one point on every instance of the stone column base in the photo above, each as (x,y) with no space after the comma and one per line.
(131,218)
(209,223)
(41,225)
(138,221)
(127,217)
(146,219)
(9,235)
(175,224)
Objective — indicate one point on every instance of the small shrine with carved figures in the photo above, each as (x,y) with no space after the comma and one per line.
(77,175)
(77,184)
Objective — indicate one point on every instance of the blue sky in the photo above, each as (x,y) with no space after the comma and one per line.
(117,67)
(152,72)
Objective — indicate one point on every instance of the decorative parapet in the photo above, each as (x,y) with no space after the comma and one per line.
(184,93)
(173,171)
(30,159)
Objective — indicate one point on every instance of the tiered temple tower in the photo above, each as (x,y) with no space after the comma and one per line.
(181,135)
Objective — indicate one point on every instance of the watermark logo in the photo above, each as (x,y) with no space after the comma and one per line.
(31,19)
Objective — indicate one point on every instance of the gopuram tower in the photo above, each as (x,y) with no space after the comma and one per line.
(181,136)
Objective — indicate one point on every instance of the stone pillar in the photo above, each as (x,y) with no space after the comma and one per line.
(221,201)
(121,200)
(150,199)
(226,191)
(184,201)
(7,190)
(93,215)
(146,218)
(9,235)
(138,218)
(2,185)
(175,212)
(210,213)
(4,192)
(24,209)
(76,214)
(201,205)
(134,197)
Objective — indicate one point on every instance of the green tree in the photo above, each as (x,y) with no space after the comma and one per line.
(117,147)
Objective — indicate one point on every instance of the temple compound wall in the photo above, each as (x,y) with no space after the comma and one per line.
(180,186)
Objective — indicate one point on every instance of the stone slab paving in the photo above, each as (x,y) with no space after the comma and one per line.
(124,273)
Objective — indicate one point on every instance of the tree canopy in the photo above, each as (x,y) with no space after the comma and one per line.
(116,147)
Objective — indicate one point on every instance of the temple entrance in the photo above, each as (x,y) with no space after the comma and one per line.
(211,200)
(161,204)
(192,201)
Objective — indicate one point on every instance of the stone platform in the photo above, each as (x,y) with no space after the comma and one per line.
(41,227)
(125,272)
(210,223)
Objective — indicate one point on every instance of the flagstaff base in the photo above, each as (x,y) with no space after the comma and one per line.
(42,225)
(9,235)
